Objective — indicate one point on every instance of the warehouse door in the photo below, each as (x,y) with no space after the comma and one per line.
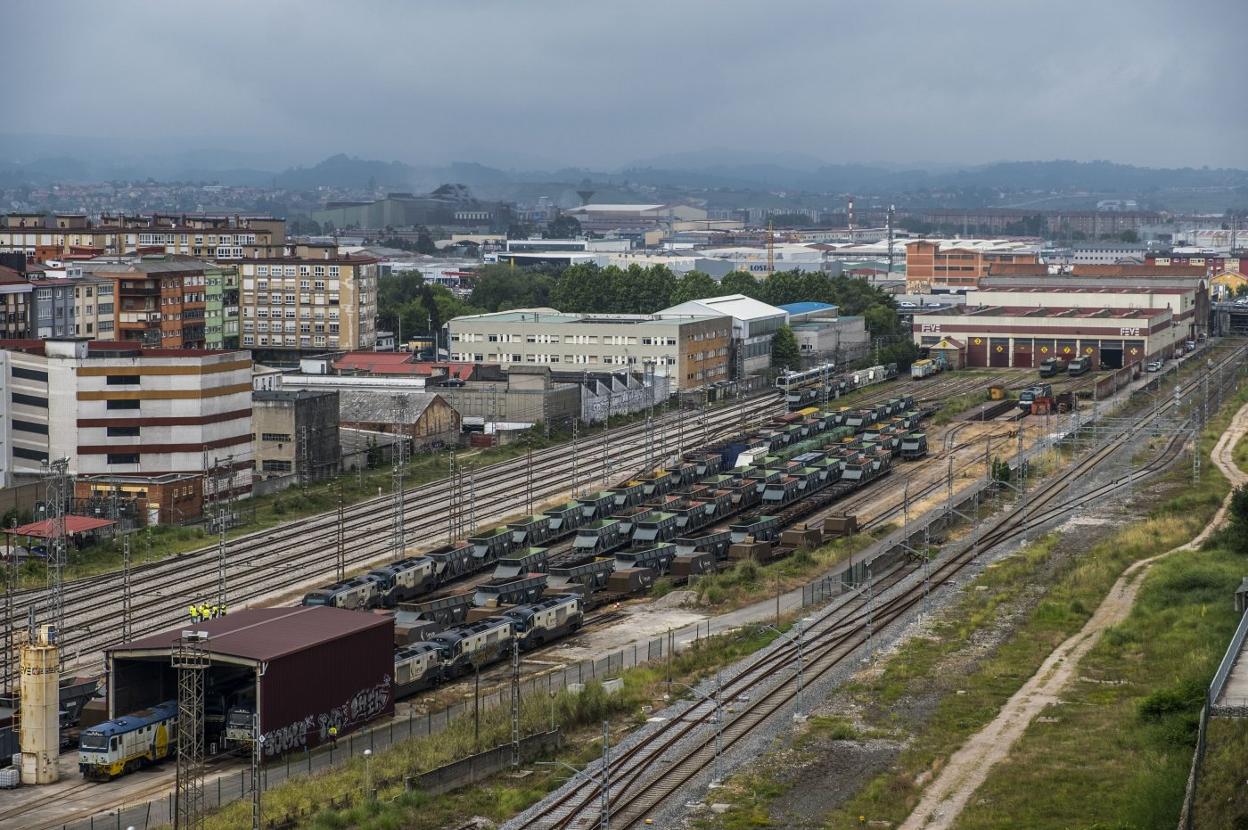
(1022,353)
(1067,349)
(1091,350)
(977,352)
(999,352)
(1043,349)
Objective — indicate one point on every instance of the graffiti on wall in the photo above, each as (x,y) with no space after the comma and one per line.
(361,707)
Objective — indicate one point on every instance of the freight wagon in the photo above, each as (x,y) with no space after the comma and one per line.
(523,561)
(598,537)
(531,532)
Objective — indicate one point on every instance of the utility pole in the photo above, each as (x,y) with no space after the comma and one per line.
(400,460)
(10,586)
(341,547)
(190,660)
(56,496)
(257,749)
(606,433)
(576,468)
(222,519)
(606,775)
(126,612)
(528,482)
(515,702)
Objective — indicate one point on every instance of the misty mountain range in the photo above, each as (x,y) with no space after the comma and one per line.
(41,160)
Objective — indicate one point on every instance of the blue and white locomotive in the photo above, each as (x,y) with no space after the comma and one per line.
(123,744)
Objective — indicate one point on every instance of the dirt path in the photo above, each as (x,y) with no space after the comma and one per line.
(948,794)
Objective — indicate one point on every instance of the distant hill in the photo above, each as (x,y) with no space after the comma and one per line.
(721,176)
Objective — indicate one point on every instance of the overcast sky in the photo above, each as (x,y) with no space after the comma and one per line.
(545,84)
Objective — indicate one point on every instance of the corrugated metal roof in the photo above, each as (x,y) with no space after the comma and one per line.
(265,634)
(366,407)
(73,524)
(805,307)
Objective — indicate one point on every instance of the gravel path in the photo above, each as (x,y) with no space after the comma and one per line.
(968,768)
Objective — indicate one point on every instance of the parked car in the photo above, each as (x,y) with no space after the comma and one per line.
(1154,366)
(906,304)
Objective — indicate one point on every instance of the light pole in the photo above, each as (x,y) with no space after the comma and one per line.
(797,633)
(368,774)
(716,771)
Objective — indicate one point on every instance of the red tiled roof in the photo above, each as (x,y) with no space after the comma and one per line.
(73,525)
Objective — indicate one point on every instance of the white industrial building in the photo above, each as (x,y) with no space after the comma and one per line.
(754,323)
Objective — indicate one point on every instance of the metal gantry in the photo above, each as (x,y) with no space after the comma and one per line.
(56,503)
(400,463)
(190,661)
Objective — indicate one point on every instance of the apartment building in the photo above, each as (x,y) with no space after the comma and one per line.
(113,408)
(221,307)
(691,350)
(313,299)
(73,307)
(15,294)
(41,238)
(158,303)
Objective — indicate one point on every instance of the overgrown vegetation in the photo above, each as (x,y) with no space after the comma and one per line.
(578,715)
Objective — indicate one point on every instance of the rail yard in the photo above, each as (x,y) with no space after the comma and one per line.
(674,497)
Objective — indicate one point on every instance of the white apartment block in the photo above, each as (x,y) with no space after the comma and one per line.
(113,408)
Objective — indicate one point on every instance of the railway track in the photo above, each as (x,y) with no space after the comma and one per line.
(654,766)
(267,563)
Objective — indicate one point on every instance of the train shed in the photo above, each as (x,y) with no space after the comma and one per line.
(308,668)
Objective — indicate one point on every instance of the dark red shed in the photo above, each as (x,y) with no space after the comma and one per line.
(309,668)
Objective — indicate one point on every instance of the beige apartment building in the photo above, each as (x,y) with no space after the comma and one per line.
(42,238)
(691,351)
(313,299)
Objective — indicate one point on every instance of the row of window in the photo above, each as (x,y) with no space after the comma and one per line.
(281,437)
(305,313)
(301,270)
(609,359)
(306,328)
(304,341)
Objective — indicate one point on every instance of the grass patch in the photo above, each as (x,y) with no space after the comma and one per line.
(1221,800)
(955,406)
(1064,592)
(746,581)
(1117,748)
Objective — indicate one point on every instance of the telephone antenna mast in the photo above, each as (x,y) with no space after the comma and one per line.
(771,247)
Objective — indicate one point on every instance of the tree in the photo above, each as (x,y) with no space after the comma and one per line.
(563,227)
(784,351)
(424,243)
(519,230)
(503,287)
(1130,236)
(741,282)
(1237,529)
(880,319)
(693,285)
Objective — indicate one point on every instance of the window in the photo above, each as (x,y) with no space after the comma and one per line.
(123,458)
(127,404)
(123,432)
(283,437)
(27,426)
(29,374)
(271,466)
(124,380)
(30,455)
(29,400)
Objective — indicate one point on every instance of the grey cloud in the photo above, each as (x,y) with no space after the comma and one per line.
(575,83)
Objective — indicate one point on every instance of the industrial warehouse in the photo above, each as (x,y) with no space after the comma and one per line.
(1018,322)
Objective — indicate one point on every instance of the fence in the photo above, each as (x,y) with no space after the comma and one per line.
(1215,706)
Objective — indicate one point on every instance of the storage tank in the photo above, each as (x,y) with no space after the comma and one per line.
(40,738)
